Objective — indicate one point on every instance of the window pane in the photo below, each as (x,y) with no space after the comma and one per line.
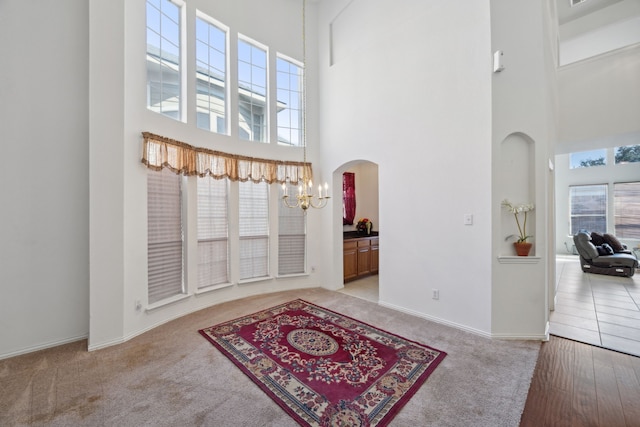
(164,226)
(626,205)
(163,58)
(588,208)
(254,230)
(213,248)
(211,104)
(252,82)
(585,159)
(627,154)
(289,92)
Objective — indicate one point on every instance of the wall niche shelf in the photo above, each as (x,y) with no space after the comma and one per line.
(503,259)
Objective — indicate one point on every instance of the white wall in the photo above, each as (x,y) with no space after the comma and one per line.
(409,89)
(44,133)
(599,100)
(524,103)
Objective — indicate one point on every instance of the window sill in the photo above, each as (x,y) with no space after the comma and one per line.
(164,302)
(285,276)
(255,280)
(213,288)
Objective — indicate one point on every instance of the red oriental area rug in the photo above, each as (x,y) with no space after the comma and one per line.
(324,368)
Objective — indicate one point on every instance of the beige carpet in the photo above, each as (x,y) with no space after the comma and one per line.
(171,376)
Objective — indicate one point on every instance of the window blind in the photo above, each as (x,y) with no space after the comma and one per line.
(588,204)
(626,205)
(164,244)
(292,238)
(213,247)
(254,229)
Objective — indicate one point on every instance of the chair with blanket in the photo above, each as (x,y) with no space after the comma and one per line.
(604,254)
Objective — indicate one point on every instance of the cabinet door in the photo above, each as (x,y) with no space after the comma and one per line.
(374,259)
(364,261)
(350,261)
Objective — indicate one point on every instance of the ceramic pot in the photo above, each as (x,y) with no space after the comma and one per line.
(522,248)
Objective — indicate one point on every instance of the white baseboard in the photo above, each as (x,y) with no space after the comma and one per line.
(528,337)
(436,319)
(43,346)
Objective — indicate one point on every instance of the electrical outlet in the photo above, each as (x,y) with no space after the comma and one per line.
(436,294)
(138,305)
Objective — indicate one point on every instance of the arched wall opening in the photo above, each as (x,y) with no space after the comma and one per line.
(367,206)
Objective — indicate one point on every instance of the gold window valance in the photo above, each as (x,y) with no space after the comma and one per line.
(161,152)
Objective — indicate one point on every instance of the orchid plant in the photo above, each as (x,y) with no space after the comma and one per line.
(516,210)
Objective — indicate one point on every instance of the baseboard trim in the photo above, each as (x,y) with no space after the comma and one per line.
(43,346)
(435,319)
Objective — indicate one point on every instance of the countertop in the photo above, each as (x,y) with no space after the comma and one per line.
(356,234)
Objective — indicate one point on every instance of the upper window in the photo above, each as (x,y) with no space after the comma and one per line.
(211,76)
(626,202)
(588,208)
(163,57)
(252,91)
(627,154)
(289,102)
(164,240)
(585,159)
(213,237)
(292,238)
(254,230)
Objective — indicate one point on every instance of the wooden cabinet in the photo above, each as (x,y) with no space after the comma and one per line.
(360,257)
(350,259)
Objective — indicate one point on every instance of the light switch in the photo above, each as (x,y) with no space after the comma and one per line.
(468,219)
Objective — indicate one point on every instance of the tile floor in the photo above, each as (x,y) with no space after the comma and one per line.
(592,308)
(596,309)
(365,288)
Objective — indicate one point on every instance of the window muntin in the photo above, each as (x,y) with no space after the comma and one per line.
(165,237)
(254,229)
(626,208)
(211,76)
(292,238)
(252,91)
(289,102)
(588,208)
(164,85)
(585,159)
(627,154)
(213,235)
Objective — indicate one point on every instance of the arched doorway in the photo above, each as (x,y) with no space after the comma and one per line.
(360,252)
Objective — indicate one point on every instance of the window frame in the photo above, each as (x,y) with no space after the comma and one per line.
(605,204)
(158,230)
(181,113)
(265,126)
(299,129)
(288,250)
(211,237)
(211,22)
(245,238)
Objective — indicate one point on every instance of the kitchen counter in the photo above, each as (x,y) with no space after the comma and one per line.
(358,235)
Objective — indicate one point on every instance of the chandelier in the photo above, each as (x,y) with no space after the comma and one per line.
(305,197)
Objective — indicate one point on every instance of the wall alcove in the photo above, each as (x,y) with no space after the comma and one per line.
(516,182)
